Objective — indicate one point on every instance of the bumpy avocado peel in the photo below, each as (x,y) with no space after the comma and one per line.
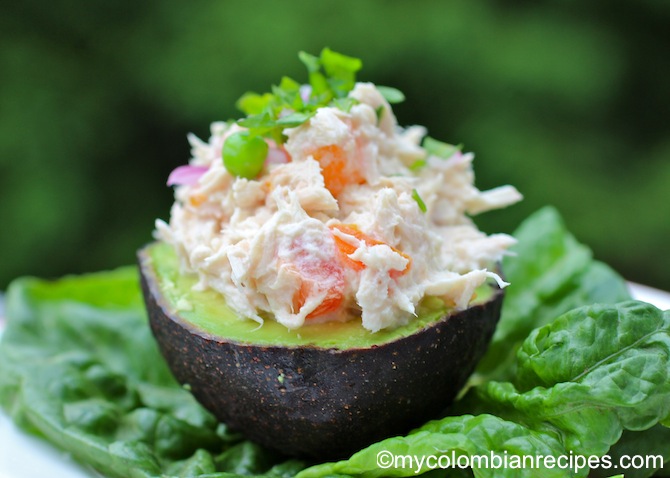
(311,399)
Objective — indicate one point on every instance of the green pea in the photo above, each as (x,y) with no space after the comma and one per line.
(244,155)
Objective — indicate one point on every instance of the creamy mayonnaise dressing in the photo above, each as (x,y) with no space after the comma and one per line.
(333,227)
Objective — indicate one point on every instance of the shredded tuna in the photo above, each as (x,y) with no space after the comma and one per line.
(270,245)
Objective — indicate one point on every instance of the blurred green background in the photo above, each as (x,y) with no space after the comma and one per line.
(569,101)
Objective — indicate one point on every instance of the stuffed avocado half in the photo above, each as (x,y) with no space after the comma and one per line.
(326,390)
(320,283)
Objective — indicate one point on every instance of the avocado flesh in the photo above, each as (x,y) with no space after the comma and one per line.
(311,396)
(208,312)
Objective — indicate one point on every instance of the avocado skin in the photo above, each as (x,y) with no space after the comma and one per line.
(322,403)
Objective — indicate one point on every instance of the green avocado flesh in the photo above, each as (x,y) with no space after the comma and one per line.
(208,312)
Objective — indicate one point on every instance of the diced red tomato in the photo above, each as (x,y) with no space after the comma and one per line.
(316,277)
(345,248)
(338,171)
(311,286)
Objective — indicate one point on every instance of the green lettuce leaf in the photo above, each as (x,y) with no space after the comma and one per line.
(460,436)
(79,367)
(560,378)
(652,442)
(592,373)
(582,380)
(550,273)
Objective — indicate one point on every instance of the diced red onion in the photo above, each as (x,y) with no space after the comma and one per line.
(305,92)
(186,175)
(277,156)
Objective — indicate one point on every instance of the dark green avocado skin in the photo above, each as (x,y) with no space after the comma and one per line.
(317,402)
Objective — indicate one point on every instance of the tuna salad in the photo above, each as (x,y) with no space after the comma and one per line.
(318,207)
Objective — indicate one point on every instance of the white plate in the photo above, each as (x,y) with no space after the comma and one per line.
(24,456)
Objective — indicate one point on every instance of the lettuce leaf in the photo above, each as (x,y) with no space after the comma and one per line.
(649,442)
(550,273)
(575,368)
(79,367)
(582,380)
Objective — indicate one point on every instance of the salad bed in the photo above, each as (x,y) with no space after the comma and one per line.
(575,368)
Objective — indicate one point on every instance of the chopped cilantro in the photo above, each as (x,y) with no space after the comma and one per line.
(379,111)
(440,149)
(345,104)
(313,63)
(392,95)
(418,165)
(331,77)
(419,201)
(340,66)
(294,119)
(253,103)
